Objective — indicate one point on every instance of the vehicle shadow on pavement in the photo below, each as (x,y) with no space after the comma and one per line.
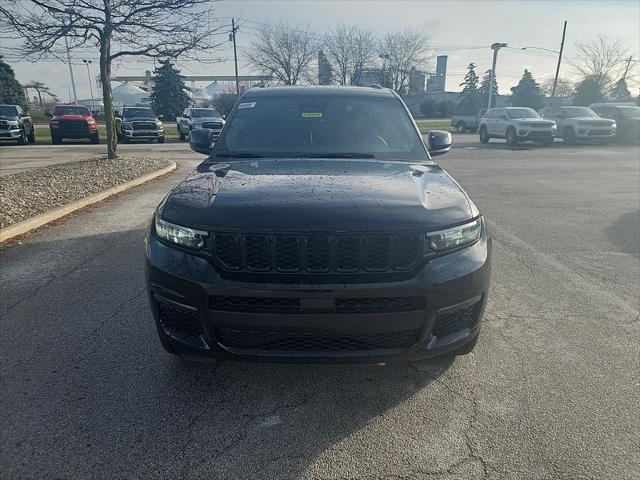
(110,401)
(624,232)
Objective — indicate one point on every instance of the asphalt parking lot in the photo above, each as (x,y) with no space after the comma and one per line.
(550,392)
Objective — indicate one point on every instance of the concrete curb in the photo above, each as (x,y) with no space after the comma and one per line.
(32,223)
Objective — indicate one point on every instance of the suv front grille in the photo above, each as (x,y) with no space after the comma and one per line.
(315,342)
(225,303)
(212,125)
(74,125)
(317,253)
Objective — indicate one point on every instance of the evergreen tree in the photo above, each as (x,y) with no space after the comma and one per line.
(470,102)
(527,93)
(10,89)
(169,96)
(620,91)
(485,89)
(588,91)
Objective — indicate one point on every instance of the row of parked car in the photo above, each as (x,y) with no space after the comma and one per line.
(77,122)
(600,121)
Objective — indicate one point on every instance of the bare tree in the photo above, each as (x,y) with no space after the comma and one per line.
(284,52)
(406,50)
(41,89)
(350,50)
(564,88)
(602,59)
(116,28)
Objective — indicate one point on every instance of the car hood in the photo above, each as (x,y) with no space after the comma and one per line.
(6,118)
(206,119)
(593,120)
(139,119)
(318,195)
(538,121)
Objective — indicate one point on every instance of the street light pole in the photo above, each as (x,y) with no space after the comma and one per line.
(93,102)
(555,80)
(495,47)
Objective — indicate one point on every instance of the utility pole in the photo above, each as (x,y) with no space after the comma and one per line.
(626,68)
(73,82)
(232,36)
(495,47)
(555,80)
(93,102)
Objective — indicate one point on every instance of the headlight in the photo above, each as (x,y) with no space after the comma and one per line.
(159,124)
(127,126)
(182,236)
(454,237)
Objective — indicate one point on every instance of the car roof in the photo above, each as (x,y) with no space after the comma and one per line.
(316,90)
(613,104)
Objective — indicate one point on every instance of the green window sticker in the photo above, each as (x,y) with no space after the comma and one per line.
(311,114)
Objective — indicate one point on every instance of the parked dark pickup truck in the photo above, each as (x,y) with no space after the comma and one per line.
(16,124)
(139,123)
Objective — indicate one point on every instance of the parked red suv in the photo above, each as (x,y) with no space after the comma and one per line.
(73,121)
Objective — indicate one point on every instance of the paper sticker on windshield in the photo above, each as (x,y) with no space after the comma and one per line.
(311,114)
(246,105)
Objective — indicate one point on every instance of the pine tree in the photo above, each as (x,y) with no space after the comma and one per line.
(485,89)
(169,96)
(527,93)
(10,89)
(620,91)
(470,102)
(588,91)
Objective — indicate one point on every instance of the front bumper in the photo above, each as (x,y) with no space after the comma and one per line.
(438,309)
(535,135)
(10,134)
(143,134)
(586,133)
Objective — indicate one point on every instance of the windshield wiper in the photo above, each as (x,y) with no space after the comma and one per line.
(337,155)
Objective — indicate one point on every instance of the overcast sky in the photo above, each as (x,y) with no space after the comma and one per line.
(455,28)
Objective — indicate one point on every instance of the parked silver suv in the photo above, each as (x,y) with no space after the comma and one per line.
(580,123)
(516,124)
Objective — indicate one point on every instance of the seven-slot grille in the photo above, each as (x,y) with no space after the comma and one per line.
(212,125)
(317,253)
(74,125)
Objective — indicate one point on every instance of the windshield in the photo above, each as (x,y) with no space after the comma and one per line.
(629,112)
(577,112)
(8,111)
(522,113)
(321,126)
(138,112)
(204,113)
(71,110)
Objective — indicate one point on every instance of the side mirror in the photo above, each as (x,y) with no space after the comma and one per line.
(161,116)
(48,114)
(504,117)
(201,140)
(224,117)
(439,142)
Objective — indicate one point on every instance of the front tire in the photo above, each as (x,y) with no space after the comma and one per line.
(95,139)
(56,140)
(32,136)
(569,136)
(160,139)
(461,127)
(511,137)
(484,135)
(182,135)
(22,139)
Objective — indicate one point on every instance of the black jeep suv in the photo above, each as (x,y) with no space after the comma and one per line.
(318,229)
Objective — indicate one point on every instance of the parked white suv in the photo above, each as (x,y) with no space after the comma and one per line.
(516,124)
(580,123)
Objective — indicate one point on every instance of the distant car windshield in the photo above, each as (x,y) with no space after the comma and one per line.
(629,112)
(577,112)
(321,126)
(522,113)
(138,112)
(8,111)
(204,113)
(71,110)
